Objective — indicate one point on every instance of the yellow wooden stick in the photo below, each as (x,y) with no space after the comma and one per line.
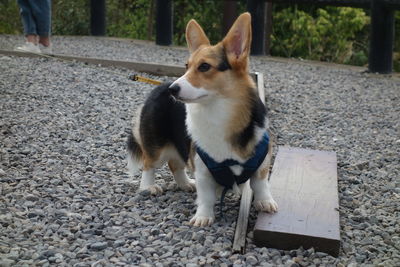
(144,79)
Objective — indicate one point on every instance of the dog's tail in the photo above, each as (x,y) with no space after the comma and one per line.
(135,155)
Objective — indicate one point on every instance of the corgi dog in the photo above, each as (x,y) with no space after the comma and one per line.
(218,124)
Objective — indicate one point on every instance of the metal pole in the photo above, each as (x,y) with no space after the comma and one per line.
(268,28)
(98,17)
(164,20)
(382,37)
(230,14)
(257,11)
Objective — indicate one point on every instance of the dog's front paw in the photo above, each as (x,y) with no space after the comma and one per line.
(266,205)
(154,189)
(190,186)
(198,220)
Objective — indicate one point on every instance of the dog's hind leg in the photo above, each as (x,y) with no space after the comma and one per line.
(177,167)
(147,182)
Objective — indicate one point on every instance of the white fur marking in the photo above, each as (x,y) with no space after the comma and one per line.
(134,165)
(207,123)
(206,195)
(188,91)
(147,180)
(237,169)
(263,200)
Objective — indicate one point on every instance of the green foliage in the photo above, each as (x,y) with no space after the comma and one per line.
(209,16)
(131,19)
(305,31)
(10,23)
(70,17)
(327,36)
(207,13)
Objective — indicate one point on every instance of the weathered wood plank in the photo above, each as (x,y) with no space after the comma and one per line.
(152,68)
(304,184)
(239,241)
(259,78)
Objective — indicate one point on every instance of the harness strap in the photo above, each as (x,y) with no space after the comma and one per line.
(224,176)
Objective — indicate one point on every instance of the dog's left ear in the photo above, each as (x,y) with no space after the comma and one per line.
(238,40)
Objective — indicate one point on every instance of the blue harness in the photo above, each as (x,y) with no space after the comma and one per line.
(222,173)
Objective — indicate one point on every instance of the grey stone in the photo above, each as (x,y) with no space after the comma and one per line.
(7,262)
(119,243)
(98,245)
(155,231)
(291,263)
(251,260)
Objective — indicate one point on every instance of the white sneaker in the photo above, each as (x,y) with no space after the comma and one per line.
(28,47)
(46,49)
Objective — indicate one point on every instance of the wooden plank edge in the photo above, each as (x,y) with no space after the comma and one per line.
(275,240)
(151,68)
(239,241)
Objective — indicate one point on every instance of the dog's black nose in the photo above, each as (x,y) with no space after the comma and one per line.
(174,89)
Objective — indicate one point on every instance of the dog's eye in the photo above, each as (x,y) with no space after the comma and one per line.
(204,67)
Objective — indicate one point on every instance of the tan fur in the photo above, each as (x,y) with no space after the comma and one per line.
(264,170)
(195,36)
(192,154)
(173,166)
(150,160)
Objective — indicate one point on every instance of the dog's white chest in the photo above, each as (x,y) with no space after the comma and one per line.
(207,127)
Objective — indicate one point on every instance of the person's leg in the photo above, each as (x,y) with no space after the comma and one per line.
(42,15)
(28,21)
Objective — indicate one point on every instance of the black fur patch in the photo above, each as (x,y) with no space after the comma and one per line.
(162,122)
(258,113)
(224,64)
(133,146)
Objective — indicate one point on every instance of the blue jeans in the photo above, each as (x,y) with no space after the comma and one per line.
(36,16)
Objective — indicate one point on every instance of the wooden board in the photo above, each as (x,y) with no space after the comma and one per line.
(239,241)
(304,184)
(152,68)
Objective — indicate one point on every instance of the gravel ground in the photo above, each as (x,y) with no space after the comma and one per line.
(66,199)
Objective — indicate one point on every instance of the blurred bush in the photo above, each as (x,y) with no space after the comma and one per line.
(334,34)
(329,35)
(70,17)
(9,17)
(131,19)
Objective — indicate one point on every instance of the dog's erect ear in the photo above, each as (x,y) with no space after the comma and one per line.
(237,41)
(195,36)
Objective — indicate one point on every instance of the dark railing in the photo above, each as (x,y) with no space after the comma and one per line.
(381,34)
(380,57)
(98,17)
